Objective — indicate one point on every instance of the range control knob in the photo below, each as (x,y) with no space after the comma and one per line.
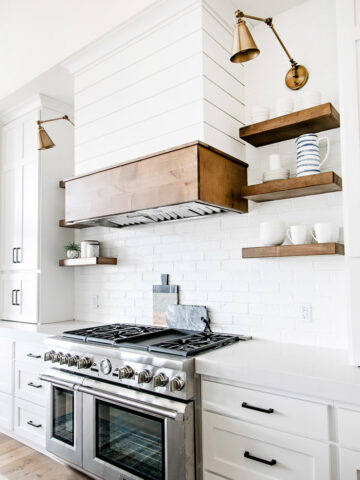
(64,359)
(72,361)
(126,372)
(84,362)
(144,376)
(48,356)
(56,357)
(160,380)
(176,383)
(105,366)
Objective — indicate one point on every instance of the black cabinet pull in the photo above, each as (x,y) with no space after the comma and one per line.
(31,355)
(258,409)
(32,424)
(261,460)
(17,254)
(16,298)
(13,302)
(31,384)
(14,255)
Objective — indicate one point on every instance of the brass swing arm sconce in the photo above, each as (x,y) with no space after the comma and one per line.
(44,141)
(244,49)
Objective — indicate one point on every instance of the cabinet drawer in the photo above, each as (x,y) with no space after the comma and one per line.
(236,449)
(28,386)
(29,421)
(30,353)
(348,428)
(272,411)
(6,411)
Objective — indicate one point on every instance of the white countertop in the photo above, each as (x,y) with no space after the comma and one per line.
(312,371)
(33,332)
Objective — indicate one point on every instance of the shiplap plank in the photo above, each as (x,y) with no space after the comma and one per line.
(159,36)
(142,147)
(166,100)
(221,120)
(138,92)
(222,78)
(170,121)
(223,100)
(220,140)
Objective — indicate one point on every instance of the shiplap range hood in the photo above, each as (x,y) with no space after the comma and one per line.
(192,180)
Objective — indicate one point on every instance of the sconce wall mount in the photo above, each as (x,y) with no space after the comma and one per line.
(44,141)
(244,49)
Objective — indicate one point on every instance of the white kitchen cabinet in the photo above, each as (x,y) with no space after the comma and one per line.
(6,411)
(31,205)
(28,387)
(19,296)
(236,449)
(349,464)
(29,422)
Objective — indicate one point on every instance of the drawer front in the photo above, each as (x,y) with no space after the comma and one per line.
(348,428)
(349,464)
(6,348)
(28,386)
(236,449)
(272,411)
(6,411)
(6,377)
(30,353)
(29,421)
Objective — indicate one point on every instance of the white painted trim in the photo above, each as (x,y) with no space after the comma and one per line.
(146,22)
(35,102)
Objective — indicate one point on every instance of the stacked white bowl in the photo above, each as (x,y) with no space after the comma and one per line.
(260,113)
(276,171)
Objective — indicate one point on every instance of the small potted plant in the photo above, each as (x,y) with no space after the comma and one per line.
(72,250)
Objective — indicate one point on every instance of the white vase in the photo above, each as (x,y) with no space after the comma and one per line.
(72,253)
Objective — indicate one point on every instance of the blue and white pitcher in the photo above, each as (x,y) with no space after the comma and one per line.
(308,160)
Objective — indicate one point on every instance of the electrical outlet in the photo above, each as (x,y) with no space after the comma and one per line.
(306,312)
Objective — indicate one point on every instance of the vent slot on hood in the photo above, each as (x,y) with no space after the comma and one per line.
(192,180)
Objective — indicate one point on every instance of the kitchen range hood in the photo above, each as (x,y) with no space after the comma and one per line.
(192,180)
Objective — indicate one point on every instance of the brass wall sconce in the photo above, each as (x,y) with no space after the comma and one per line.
(244,49)
(44,141)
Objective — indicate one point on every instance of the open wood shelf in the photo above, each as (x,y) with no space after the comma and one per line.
(293,187)
(294,250)
(311,120)
(85,262)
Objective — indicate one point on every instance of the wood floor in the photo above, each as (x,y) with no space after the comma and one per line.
(19,462)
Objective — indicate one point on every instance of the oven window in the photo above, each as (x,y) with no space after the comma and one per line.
(63,415)
(130,440)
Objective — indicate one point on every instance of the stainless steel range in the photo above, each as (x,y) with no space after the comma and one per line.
(124,400)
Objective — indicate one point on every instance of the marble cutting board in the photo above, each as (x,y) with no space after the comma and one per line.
(163,296)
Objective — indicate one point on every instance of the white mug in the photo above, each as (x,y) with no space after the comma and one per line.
(274,161)
(310,99)
(325,232)
(272,233)
(283,106)
(298,234)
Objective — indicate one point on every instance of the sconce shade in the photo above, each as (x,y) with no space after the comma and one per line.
(44,141)
(244,48)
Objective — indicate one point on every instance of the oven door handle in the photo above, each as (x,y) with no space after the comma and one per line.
(57,381)
(127,402)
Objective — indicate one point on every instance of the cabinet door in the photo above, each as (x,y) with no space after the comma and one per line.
(9,283)
(349,464)
(27,298)
(11,185)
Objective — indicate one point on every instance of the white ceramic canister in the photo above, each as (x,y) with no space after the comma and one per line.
(90,248)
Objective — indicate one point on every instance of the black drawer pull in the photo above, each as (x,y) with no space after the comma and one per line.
(261,460)
(31,355)
(31,384)
(258,409)
(32,424)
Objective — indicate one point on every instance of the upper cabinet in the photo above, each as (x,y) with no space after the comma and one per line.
(19,195)
(32,286)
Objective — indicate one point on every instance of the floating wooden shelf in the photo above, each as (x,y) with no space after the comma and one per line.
(293,187)
(85,262)
(294,250)
(311,120)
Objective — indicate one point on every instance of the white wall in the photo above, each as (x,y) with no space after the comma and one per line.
(38,34)
(135,101)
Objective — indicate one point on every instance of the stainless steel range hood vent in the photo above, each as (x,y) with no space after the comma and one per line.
(193,180)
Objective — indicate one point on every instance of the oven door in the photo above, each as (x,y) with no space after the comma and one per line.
(133,435)
(64,416)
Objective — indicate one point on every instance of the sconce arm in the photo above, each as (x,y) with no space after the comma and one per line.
(64,117)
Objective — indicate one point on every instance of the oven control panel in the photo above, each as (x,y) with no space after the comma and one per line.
(142,376)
